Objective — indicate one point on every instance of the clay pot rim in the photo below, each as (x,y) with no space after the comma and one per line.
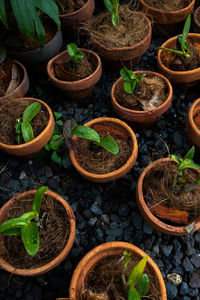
(88,3)
(100,252)
(112,48)
(57,260)
(77,82)
(195,16)
(189,72)
(191,115)
(164,227)
(51,117)
(143,112)
(113,173)
(174,12)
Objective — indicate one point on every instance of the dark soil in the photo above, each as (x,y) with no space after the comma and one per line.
(168,5)
(5,75)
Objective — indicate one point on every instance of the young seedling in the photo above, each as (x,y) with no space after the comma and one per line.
(24,225)
(131,82)
(112,6)
(138,283)
(23,126)
(180,177)
(182,40)
(75,54)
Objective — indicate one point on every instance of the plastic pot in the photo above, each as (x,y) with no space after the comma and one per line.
(142,119)
(193,132)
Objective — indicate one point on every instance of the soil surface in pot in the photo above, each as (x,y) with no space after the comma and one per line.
(158,190)
(69,6)
(168,5)
(197,119)
(97,160)
(152,92)
(54,232)
(13,111)
(105,280)
(66,70)
(176,62)
(131,30)
(9,77)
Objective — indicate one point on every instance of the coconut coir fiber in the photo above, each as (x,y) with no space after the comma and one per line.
(69,6)
(14,110)
(5,75)
(53,233)
(132,29)
(105,280)
(168,5)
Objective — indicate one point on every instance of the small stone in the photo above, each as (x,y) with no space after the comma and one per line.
(147,228)
(176,260)
(22,175)
(14,185)
(195,260)
(137,221)
(187,265)
(105,219)
(123,210)
(156,249)
(159,263)
(174,278)
(184,288)
(93,221)
(171,291)
(177,138)
(96,209)
(195,281)
(115,232)
(197,238)
(167,249)
(113,225)
(193,292)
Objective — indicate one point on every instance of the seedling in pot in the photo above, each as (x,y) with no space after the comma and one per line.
(112,6)
(75,54)
(25,226)
(23,126)
(131,82)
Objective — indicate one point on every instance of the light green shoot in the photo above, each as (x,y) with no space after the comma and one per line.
(131,82)
(75,53)
(113,6)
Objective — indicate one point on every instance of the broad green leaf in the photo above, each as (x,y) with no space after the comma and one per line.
(59,122)
(14,231)
(3,16)
(127,258)
(128,87)
(27,131)
(137,272)
(108,4)
(186,30)
(47,147)
(3,52)
(57,115)
(30,238)
(50,8)
(109,144)
(31,111)
(188,163)
(176,158)
(190,154)
(73,51)
(56,142)
(56,158)
(29,216)
(126,74)
(68,127)
(18,128)
(143,285)
(38,198)
(133,294)
(86,133)
(12,224)
(41,35)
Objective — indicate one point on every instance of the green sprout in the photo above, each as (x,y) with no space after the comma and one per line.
(25,227)
(182,39)
(75,54)
(23,126)
(112,6)
(131,82)
(138,283)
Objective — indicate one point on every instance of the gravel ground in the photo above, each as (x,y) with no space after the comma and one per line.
(105,212)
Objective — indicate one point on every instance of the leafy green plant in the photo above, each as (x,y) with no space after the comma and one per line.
(138,283)
(131,82)
(24,225)
(113,6)
(23,126)
(182,40)
(75,54)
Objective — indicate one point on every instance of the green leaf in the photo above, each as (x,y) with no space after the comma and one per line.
(27,131)
(14,231)
(74,52)
(186,30)
(12,224)
(137,272)
(31,111)
(47,147)
(140,77)
(127,258)
(59,122)
(68,127)
(3,52)
(55,145)
(50,8)
(143,285)
(38,198)
(127,74)
(176,158)
(86,133)
(108,4)
(128,87)
(3,16)
(109,144)
(133,294)
(56,158)
(190,154)
(41,35)
(28,216)
(57,115)
(30,238)
(172,50)
(188,163)
(115,19)
(18,127)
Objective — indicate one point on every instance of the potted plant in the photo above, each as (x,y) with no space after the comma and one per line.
(75,71)
(38,124)
(120,35)
(178,58)
(168,16)
(113,260)
(196,20)
(167,194)
(37,232)
(193,124)
(141,97)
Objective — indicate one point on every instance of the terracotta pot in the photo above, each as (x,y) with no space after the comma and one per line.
(22,89)
(92,258)
(120,56)
(56,261)
(150,218)
(182,79)
(80,89)
(192,131)
(143,119)
(118,124)
(196,20)
(38,142)
(168,22)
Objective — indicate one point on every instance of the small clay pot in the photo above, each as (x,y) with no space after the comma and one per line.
(196,20)
(22,89)
(193,117)
(124,56)
(56,261)
(38,142)
(149,217)
(142,119)
(111,176)
(92,258)
(182,79)
(167,22)
(79,89)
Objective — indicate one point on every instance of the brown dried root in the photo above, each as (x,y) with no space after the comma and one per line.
(15,80)
(168,5)
(89,295)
